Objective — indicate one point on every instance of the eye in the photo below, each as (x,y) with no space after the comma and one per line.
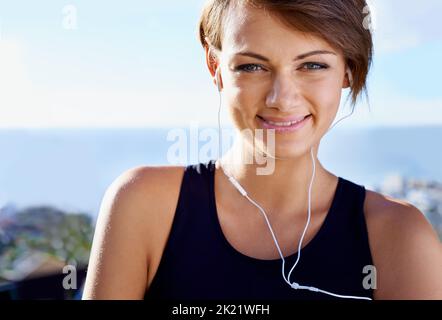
(314,66)
(249,68)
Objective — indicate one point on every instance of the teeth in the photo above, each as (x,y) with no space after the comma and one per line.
(283,124)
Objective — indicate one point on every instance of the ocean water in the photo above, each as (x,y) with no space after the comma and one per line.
(71,168)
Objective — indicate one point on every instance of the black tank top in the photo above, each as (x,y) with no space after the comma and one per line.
(199,263)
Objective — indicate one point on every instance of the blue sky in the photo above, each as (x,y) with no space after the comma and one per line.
(139,64)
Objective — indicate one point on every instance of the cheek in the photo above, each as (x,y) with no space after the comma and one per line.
(244,92)
(242,103)
(325,96)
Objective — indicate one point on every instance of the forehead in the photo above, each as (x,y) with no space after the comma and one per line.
(249,27)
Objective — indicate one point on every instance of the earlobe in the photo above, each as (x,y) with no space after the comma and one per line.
(218,81)
(215,67)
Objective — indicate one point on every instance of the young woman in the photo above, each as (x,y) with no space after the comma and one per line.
(221,230)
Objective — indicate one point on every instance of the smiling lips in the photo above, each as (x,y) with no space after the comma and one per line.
(284,124)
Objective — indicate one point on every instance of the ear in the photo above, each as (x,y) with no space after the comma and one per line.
(348,79)
(211,61)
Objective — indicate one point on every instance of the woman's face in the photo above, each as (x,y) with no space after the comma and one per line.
(288,81)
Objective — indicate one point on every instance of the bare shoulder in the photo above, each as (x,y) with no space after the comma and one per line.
(132,212)
(406,250)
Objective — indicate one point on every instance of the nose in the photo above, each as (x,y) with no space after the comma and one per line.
(285,93)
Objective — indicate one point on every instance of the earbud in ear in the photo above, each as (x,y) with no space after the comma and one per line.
(217,79)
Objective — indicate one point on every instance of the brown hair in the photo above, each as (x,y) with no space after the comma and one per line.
(339,22)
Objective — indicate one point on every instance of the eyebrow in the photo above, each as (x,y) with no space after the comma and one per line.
(299,57)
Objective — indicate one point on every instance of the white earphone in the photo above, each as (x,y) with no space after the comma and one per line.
(294,284)
(217,79)
(236,184)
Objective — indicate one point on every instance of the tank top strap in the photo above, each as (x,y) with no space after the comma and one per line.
(349,222)
(193,204)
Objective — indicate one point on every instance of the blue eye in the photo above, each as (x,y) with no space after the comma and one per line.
(314,66)
(250,68)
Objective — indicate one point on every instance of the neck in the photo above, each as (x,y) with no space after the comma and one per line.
(283,188)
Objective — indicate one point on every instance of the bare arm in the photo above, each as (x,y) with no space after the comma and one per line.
(409,255)
(118,264)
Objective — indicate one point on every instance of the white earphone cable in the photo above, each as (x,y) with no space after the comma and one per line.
(236,184)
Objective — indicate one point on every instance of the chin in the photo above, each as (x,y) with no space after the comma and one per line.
(287,150)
